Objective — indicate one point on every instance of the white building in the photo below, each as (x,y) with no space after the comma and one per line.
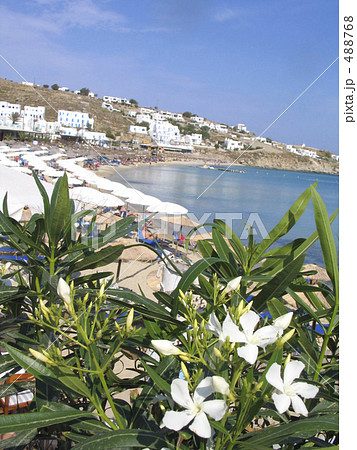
(137,129)
(46,127)
(143,118)
(335,157)
(74,119)
(289,148)
(197,119)
(164,132)
(110,99)
(143,110)
(190,139)
(63,89)
(7,110)
(33,112)
(107,106)
(233,145)
(91,94)
(221,128)
(27,83)
(89,136)
(242,127)
(306,152)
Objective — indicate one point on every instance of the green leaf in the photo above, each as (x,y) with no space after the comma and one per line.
(327,241)
(29,421)
(302,428)
(20,440)
(125,439)
(284,226)
(100,258)
(278,285)
(157,379)
(71,380)
(59,210)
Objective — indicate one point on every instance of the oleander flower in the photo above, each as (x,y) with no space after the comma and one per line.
(228,329)
(220,385)
(282,322)
(196,408)
(232,285)
(290,392)
(64,291)
(254,339)
(165,347)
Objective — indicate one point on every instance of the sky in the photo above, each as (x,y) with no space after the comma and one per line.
(267,64)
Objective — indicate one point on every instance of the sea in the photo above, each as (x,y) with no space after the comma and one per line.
(258,197)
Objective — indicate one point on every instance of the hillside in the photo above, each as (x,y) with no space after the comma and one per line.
(257,154)
(55,100)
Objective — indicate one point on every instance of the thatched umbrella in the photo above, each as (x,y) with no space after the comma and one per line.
(182,221)
(107,218)
(201,237)
(320,275)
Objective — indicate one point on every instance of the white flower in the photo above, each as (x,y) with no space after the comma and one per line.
(282,322)
(64,291)
(290,391)
(261,338)
(220,385)
(196,409)
(165,347)
(227,330)
(232,285)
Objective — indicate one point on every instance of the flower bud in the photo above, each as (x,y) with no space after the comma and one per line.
(185,371)
(101,290)
(40,356)
(165,347)
(287,336)
(220,385)
(129,320)
(217,353)
(64,291)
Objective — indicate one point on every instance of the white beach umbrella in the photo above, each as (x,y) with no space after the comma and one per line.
(94,197)
(141,201)
(22,191)
(168,208)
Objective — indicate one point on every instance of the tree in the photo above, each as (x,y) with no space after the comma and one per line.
(133,102)
(14,117)
(109,134)
(46,86)
(84,91)
(55,87)
(187,114)
(89,126)
(205,132)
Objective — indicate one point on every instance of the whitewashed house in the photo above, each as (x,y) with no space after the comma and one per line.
(137,129)
(27,83)
(120,100)
(63,89)
(221,128)
(335,157)
(197,119)
(164,132)
(6,112)
(306,152)
(231,144)
(143,118)
(242,127)
(74,119)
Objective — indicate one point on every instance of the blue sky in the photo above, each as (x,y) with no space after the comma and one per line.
(231,61)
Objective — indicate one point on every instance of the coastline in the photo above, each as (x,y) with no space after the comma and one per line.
(106,170)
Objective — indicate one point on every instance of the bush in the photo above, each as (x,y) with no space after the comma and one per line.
(205,374)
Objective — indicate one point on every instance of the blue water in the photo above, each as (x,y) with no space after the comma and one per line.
(259,196)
